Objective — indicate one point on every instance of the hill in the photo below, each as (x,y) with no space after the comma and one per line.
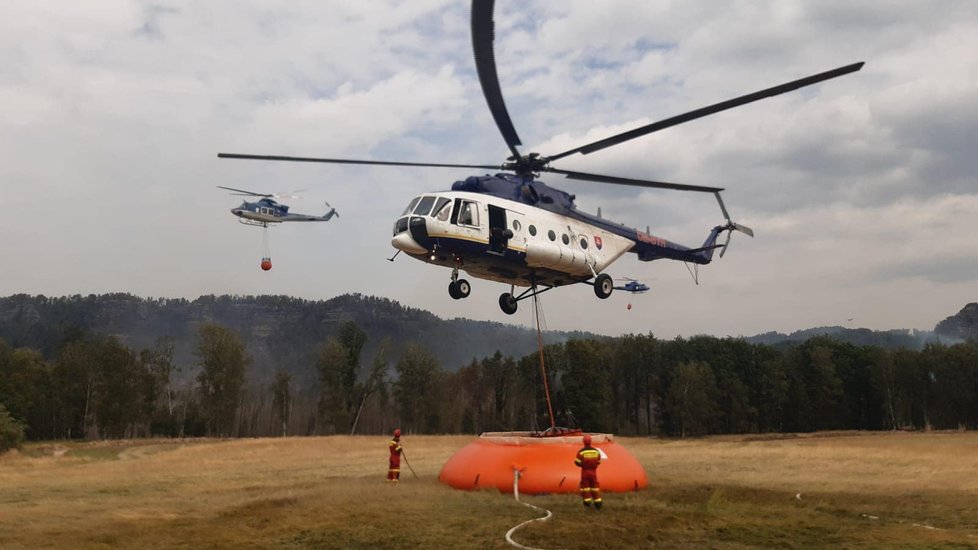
(280,331)
(963,325)
(887,339)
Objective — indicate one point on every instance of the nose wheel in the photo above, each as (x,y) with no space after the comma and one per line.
(459,289)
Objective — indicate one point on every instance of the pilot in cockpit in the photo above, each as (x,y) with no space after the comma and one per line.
(465,216)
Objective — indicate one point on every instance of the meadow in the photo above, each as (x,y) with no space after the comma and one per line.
(824,490)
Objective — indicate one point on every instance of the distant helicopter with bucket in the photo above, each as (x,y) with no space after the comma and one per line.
(265,211)
(513,228)
(633,286)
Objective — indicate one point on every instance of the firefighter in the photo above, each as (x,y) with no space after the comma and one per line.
(394,468)
(588,459)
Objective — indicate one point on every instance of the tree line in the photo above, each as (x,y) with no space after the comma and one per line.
(95,387)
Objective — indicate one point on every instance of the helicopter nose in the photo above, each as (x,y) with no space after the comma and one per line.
(403,241)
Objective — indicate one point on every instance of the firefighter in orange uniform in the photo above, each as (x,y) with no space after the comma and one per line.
(394,468)
(588,459)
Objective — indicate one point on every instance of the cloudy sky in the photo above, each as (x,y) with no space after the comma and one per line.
(863,190)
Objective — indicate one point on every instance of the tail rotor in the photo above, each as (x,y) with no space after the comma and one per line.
(332,211)
(731,225)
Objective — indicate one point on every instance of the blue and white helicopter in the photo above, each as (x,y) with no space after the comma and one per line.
(633,286)
(512,228)
(266,210)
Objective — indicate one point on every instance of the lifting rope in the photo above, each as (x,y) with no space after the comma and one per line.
(543,369)
(516,494)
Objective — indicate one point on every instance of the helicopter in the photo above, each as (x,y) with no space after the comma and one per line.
(633,286)
(266,210)
(511,227)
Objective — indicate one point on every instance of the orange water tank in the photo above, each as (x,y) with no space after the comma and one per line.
(547,464)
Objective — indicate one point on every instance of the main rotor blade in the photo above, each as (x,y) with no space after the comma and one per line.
(352,161)
(715,108)
(634,182)
(483,32)
(243,192)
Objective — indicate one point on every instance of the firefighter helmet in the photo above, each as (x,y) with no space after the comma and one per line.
(587,440)
(397,432)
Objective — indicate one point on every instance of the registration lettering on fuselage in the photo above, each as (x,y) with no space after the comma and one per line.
(649,239)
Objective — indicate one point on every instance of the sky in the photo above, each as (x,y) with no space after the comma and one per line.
(862,191)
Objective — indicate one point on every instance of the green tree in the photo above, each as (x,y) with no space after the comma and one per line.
(74,378)
(11,431)
(690,402)
(338,365)
(223,362)
(115,404)
(376,382)
(586,383)
(282,399)
(25,389)
(417,390)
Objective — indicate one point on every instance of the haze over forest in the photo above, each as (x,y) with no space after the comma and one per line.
(116,366)
(284,332)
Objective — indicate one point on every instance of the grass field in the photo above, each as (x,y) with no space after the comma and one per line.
(849,490)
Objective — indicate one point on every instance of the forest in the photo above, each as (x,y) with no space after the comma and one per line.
(94,387)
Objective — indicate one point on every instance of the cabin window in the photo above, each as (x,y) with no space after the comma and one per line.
(410,207)
(583,243)
(442,209)
(400,226)
(424,206)
(468,214)
(516,226)
(565,238)
(552,235)
(533,230)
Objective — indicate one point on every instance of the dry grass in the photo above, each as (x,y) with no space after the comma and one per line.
(729,492)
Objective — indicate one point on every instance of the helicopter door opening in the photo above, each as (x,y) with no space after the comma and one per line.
(499,234)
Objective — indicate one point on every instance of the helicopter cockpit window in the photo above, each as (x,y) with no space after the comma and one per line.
(468,214)
(410,207)
(442,209)
(424,206)
(400,226)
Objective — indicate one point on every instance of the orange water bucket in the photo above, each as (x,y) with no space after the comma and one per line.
(546,464)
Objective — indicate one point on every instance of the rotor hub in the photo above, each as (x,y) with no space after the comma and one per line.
(529,165)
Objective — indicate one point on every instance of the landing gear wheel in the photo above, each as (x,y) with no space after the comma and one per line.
(507,303)
(603,285)
(453,290)
(462,288)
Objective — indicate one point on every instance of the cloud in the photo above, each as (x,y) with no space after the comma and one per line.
(861,189)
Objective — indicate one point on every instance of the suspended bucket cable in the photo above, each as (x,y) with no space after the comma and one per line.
(543,368)
(266,258)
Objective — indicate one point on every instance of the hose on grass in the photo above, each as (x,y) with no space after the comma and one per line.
(516,494)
